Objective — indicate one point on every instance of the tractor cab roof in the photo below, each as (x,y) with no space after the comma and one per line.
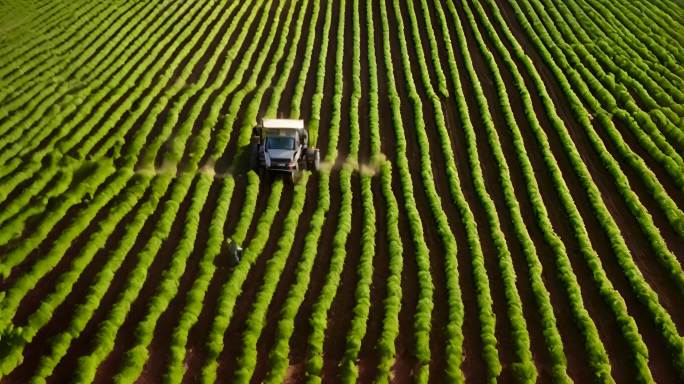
(282,124)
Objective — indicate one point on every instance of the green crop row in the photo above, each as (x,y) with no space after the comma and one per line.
(197,293)
(423,312)
(63,129)
(593,346)
(20,177)
(390,323)
(658,19)
(319,313)
(554,343)
(660,86)
(161,102)
(22,47)
(318,320)
(54,100)
(126,200)
(93,175)
(231,290)
(672,212)
(442,86)
(62,170)
(523,368)
(644,293)
(136,356)
(251,112)
(174,132)
(454,335)
(362,296)
(32,195)
(66,139)
(279,353)
(25,84)
(52,40)
(83,313)
(648,86)
(627,49)
(612,96)
(222,137)
(660,47)
(193,51)
(105,337)
(256,320)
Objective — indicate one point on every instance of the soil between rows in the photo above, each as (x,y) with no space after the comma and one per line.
(341,311)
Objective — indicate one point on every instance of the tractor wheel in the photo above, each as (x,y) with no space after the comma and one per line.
(254,157)
(313,159)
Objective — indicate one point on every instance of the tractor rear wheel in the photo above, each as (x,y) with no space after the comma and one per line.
(254,157)
(313,159)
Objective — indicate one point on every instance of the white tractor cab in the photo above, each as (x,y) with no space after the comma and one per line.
(281,146)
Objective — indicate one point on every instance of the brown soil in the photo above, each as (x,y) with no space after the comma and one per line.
(368,358)
(286,280)
(244,302)
(46,285)
(160,345)
(440,312)
(341,311)
(125,336)
(299,337)
(199,332)
(660,362)
(286,97)
(82,345)
(63,313)
(572,339)
(229,155)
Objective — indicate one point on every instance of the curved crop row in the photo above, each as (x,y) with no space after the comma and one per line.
(104,339)
(175,133)
(649,87)
(644,292)
(13,226)
(141,66)
(65,283)
(617,100)
(231,289)
(41,61)
(136,356)
(84,111)
(94,175)
(81,316)
(20,45)
(423,313)
(279,354)
(675,215)
(256,320)
(39,101)
(117,140)
(195,297)
(318,319)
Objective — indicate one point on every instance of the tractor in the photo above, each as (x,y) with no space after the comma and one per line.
(281,146)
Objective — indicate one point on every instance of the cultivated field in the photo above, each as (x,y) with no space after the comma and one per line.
(501,195)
